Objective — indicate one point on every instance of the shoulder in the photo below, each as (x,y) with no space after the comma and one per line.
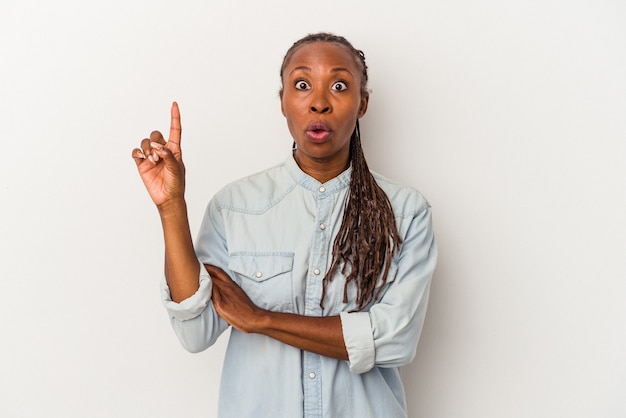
(256,192)
(405,200)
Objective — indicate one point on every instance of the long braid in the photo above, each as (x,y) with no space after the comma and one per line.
(368,237)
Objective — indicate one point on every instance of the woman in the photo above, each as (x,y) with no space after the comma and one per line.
(321,268)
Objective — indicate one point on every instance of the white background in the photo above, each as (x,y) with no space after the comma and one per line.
(510,116)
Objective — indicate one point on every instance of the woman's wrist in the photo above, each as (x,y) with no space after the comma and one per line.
(172,207)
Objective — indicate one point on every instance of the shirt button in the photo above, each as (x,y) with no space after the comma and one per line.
(311,375)
(316,272)
(322,189)
(259,274)
(322,226)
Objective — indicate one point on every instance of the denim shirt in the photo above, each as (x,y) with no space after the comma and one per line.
(273,233)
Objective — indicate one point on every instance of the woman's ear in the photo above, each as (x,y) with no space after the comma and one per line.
(280,95)
(365,97)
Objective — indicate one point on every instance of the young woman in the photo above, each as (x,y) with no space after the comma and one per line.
(321,268)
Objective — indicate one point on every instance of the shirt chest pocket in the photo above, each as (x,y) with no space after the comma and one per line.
(266,278)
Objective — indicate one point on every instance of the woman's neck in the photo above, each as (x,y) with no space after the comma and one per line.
(322,170)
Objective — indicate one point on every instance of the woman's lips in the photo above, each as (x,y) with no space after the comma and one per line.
(317,131)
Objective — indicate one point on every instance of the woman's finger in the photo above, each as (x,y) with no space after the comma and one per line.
(175,128)
(216,272)
(145,147)
(138,156)
(156,136)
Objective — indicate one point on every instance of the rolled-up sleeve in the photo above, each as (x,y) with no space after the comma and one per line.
(193,305)
(387,334)
(194,320)
(357,334)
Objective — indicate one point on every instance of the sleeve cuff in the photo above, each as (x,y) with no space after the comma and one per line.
(357,335)
(194,304)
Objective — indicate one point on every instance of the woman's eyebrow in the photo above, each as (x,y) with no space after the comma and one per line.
(302,67)
(308,69)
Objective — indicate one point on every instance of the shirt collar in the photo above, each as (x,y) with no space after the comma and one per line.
(303,179)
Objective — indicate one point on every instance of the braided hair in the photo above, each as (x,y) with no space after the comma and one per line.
(368,237)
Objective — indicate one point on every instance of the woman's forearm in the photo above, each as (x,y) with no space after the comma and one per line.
(181,265)
(321,335)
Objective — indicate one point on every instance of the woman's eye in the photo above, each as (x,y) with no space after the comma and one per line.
(339,86)
(302,85)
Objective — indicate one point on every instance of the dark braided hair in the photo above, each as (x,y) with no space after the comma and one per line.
(368,237)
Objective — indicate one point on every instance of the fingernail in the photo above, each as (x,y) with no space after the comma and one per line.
(156,145)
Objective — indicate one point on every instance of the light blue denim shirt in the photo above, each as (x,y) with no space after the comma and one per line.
(273,233)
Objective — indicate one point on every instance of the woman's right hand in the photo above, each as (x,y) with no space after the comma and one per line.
(160,163)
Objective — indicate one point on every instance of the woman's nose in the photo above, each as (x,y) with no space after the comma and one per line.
(320,103)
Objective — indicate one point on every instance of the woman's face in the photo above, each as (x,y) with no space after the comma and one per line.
(322,100)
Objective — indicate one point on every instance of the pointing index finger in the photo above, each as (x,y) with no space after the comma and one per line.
(175,128)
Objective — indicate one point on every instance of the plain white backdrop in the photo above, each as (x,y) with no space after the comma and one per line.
(509,116)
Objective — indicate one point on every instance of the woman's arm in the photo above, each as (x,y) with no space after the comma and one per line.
(181,265)
(321,335)
(161,168)
(386,335)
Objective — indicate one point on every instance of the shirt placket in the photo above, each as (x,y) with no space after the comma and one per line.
(312,376)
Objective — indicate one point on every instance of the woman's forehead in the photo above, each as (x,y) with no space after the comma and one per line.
(323,53)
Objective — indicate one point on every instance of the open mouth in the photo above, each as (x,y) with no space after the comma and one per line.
(318,131)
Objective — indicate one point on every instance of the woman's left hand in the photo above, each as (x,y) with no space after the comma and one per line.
(231,302)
